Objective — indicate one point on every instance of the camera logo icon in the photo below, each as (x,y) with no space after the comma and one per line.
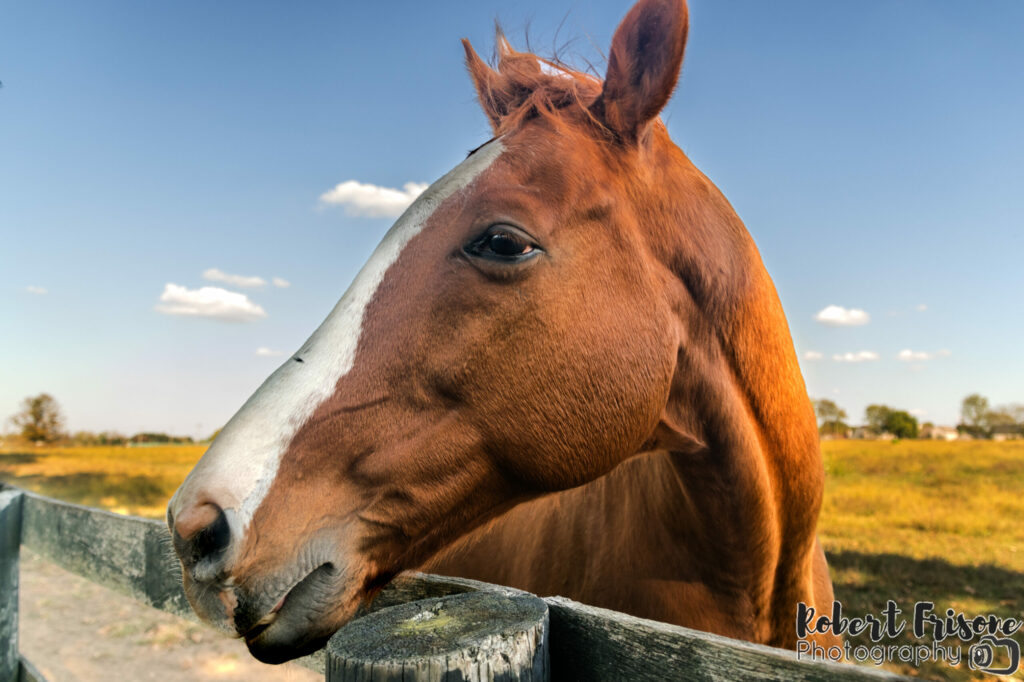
(981,656)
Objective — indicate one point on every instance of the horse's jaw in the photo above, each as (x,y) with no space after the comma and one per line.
(291,610)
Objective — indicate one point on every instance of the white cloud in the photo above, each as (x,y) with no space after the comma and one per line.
(38,291)
(921,307)
(813,355)
(215,275)
(265,352)
(838,316)
(907,355)
(280,282)
(213,302)
(918,412)
(859,356)
(362,199)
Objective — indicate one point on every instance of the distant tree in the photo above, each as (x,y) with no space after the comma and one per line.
(901,424)
(974,415)
(827,410)
(876,417)
(999,416)
(83,438)
(110,438)
(830,417)
(154,437)
(884,419)
(1005,419)
(40,419)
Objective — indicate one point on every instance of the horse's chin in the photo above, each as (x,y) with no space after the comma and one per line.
(280,617)
(279,642)
(306,617)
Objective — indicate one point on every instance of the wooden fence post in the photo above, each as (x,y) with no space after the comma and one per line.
(473,636)
(10,546)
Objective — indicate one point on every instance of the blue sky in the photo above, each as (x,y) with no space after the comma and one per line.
(872,148)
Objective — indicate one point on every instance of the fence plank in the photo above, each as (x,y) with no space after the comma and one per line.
(126,553)
(588,643)
(10,544)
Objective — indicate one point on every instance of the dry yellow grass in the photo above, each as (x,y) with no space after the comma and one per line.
(926,521)
(137,480)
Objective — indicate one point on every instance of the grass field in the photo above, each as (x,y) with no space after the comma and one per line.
(136,481)
(926,521)
(908,521)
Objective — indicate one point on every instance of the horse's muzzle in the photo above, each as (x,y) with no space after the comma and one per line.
(282,613)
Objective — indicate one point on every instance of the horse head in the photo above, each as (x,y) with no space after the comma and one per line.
(545,311)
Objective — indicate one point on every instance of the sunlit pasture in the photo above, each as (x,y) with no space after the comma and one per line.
(135,480)
(926,521)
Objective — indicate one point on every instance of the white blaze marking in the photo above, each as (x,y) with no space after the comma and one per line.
(237,470)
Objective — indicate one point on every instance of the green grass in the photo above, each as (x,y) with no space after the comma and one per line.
(909,521)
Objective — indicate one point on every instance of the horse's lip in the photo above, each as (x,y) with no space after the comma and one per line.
(271,616)
(304,620)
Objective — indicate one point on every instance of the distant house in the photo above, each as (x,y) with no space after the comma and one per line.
(933,432)
(864,433)
(861,432)
(1006,432)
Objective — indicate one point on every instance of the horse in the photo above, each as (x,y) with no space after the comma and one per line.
(564,369)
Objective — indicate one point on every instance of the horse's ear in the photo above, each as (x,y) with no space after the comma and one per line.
(491,87)
(643,66)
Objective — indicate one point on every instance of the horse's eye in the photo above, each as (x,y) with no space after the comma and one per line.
(503,243)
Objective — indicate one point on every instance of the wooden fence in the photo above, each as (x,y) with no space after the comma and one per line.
(575,641)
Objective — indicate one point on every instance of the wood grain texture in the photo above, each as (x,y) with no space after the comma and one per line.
(125,553)
(480,636)
(593,644)
(10,545)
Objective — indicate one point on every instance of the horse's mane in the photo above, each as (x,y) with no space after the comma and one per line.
(523,85)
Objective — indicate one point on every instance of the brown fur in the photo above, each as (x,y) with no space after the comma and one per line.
(620,420)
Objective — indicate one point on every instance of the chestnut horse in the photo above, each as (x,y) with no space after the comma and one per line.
(564,369)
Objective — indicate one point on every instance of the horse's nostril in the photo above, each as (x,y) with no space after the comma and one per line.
(214,538)
(200,533)
(194,519)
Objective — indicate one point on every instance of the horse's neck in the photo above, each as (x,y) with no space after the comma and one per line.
(755,492)
(758,414)
(663,536)
(766,365)
(762,442)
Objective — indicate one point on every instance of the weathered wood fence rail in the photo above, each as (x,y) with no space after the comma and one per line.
(553,638)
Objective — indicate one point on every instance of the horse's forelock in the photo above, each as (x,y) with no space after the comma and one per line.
(524,86)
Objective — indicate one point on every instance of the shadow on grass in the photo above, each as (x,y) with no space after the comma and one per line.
(98,489)
(865,582)
(15,458)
